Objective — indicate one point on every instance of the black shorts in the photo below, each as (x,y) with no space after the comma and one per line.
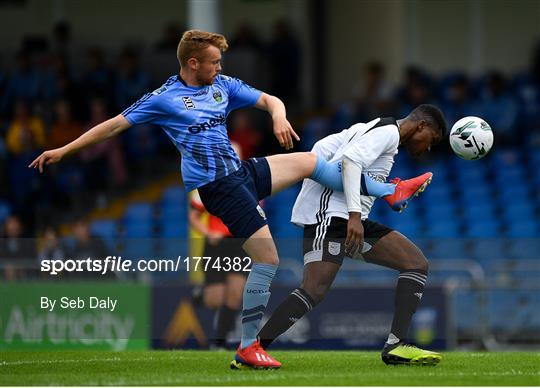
(223,256)
(326,241)
(235,198)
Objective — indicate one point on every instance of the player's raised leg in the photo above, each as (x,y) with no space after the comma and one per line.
(262,250)
(288,169)
(395,251)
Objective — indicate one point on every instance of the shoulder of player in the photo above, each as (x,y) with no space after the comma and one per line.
(383,125)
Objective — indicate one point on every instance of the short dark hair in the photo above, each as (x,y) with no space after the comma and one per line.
(432,115)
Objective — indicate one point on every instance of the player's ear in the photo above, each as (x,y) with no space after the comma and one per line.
(193,63)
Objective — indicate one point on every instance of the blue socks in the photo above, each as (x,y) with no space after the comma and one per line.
(256,295)
(329,175)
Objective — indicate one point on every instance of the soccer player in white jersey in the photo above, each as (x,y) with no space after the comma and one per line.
(329,220)
(192,109)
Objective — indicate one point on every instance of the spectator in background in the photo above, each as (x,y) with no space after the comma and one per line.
(104,158)
(61,39)
(132,82)
(499,108)
(245,57)
(23,85)
(65,128)
(86,246)
(285,60)
(16,253)
(172,33)
(98,77)
(26,132)
(457,102)
(416,91)
(244,134)
(374,97)
(51,246)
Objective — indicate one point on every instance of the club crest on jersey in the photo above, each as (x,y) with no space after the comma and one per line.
(217,96)
(334,248)
(261,212)
(188,103)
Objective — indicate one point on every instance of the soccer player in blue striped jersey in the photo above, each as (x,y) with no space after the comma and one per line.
(192,108)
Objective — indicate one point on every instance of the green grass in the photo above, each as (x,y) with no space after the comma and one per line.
(299,368)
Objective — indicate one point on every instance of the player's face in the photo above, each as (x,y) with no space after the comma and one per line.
(209,66)
(423,139)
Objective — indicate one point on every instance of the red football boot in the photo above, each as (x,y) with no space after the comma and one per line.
(406,190)
(254,357)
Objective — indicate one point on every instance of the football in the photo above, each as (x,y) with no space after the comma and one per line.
(471,138)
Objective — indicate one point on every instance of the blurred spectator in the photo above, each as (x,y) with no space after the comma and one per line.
(499,108)
(64,129)
(85,246)
(51,246)
(244,58)
(244,134)
(23,85)
(26,132)
(61,39)
(170,37)
(416,91)
(374,97)
(132,82)
(285,61)
(104,159)
(98,78)
(456,100)
(16,252)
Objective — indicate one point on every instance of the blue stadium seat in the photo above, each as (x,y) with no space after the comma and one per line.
(174,195)
(139,212)
(444,228)
(138,229)
(484,228)
(445,211)
(483,210)
(524,248)
(518,211)
(5,211)
(522,228)
(107,229)
(173,229)
(487,250)
(448,248)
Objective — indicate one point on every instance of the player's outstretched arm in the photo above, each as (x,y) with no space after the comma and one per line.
(100,132)
(283,130)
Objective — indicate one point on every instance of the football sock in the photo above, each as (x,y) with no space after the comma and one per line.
(256,295)
(409,290)
(294,307)
(225,323)
(329,175)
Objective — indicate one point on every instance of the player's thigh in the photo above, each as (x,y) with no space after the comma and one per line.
(318,278)
(287,169)
(261,248)
(213,295)
(396,251)
(234,288)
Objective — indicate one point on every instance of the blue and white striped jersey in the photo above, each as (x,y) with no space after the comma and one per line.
(194,119)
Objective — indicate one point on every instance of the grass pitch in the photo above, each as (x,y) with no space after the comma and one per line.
(299,368)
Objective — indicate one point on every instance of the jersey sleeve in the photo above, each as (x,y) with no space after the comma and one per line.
(364,149)
(241,95)
(147,109)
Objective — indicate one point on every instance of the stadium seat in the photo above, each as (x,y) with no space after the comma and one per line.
(483,210)
(138,229)
(448,248)
(444,228)
(5,211)
(107,229)
(524,248)
(522,228)
(487,250)
(139,212)
(174,195)
(483,228)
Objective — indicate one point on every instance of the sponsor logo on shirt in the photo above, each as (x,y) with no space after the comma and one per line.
(188,103)
(201,92)
(213,122)
(157,92)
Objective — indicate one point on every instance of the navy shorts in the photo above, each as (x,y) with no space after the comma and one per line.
(235,198)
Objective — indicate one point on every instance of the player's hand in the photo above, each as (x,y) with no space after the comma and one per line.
(46,158)
(355,234)
(284,132)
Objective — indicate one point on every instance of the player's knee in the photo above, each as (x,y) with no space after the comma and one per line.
(316,292)
(418,261)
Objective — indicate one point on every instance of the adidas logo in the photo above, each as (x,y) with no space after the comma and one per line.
(418,294)
(262,357)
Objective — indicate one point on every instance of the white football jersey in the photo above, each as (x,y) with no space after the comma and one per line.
(371,146)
